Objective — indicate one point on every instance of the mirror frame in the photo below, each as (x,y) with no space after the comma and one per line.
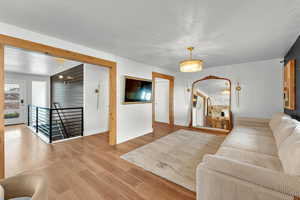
(191,110)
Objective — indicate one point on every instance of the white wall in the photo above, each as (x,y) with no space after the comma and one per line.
(40,92)
(261,93)
(96,106)
(132,120)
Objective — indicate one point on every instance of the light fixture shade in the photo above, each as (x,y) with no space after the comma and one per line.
(226,91)
(191,65)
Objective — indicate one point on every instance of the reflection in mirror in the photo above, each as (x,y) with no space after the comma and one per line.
(211,103)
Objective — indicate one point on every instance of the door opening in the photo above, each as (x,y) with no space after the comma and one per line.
(15,102)
(162,100)
(162,104)
(67,54)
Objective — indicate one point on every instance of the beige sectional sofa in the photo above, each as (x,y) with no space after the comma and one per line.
(254,163)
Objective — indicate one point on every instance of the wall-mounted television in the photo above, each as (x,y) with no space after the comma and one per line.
(137,90)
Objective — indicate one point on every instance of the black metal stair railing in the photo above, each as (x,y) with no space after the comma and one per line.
(56,123)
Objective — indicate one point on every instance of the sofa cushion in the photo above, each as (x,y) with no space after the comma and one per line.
(254,143)
(253,158)
(285,129)
(289,153)
(253,130)
(265,178)
(276,119)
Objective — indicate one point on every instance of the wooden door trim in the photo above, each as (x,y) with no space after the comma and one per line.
(171,96)
(63,53)
(54,51)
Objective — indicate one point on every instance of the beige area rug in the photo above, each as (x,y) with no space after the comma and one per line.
(176,156)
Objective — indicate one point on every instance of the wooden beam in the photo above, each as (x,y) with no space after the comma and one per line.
(153,99)
(53,51)
(171,102)
(2,154)
(163,76)
(62,53)
(113,105)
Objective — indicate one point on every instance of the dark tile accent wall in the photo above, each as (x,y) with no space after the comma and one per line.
(294,53)
(68,91)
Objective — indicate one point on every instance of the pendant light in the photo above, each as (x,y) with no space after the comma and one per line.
(191,65)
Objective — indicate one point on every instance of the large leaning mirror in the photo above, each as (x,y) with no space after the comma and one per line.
(211,104)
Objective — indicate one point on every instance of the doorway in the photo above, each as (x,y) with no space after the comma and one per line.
(62,53)
(15,105)
(163,99)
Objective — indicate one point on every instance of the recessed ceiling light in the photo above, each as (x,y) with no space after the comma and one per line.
(60,76)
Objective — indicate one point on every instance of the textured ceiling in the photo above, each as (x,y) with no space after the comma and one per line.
(27,62)
(157,32)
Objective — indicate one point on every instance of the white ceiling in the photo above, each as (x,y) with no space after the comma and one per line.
(22,61)
(157,32)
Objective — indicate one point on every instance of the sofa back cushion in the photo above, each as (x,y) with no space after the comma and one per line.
(276,119)
(284,129)
(289,153)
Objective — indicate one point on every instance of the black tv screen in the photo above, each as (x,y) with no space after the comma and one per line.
(137,90)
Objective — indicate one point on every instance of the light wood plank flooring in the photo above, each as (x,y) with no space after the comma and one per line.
(88,168)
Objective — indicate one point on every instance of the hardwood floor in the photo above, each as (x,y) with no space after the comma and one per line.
(88,168)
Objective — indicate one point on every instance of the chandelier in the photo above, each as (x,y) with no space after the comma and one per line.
(191,65)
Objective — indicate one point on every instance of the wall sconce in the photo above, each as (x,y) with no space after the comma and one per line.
(238,89)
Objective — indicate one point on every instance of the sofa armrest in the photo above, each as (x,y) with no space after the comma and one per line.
(25,186)
(264,177)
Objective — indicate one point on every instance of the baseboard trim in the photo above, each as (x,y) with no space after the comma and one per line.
(207,130)
(94,132)
(135,136)
(162,123)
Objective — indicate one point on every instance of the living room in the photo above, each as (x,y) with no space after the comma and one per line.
(143,41)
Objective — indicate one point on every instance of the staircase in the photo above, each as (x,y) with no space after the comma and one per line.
(56,123)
